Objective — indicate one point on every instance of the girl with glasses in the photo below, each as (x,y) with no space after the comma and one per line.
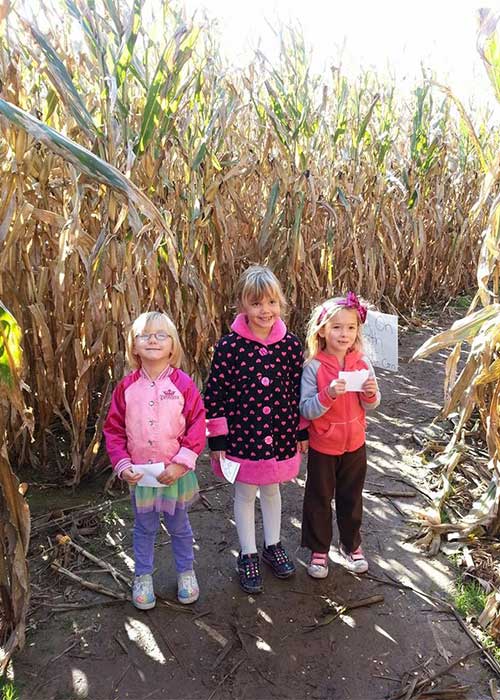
(157,416)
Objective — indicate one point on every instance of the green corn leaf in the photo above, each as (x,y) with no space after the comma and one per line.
(366,119)
(128,43)
(113,10)
(343,199)
(199,157)
(63,85)
(413,198)
(298,214)
(52,100)
(10,346)
(164,83)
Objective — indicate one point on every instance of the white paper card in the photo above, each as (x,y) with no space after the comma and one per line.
(149,472)
(381,335)
(355,380)
(229,469)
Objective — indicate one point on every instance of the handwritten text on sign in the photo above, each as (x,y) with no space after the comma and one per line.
(381,335)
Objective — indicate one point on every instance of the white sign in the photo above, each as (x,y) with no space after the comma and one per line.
(354,380)
(149,473)
(381,339)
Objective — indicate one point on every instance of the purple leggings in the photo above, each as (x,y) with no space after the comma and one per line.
(145,529)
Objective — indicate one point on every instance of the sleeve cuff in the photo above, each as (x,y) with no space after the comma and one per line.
(186,457)
(304,423)
(120,466)
(218,443)
(302,435)
(325,399)
(216,427)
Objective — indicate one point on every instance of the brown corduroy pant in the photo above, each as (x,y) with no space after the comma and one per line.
(328,476)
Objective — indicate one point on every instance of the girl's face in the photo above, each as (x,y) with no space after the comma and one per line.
(261,314)
(340,332)
(153,346)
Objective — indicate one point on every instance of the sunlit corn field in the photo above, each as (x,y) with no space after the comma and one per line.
(139,171)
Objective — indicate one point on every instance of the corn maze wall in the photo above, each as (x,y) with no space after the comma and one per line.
(139,171)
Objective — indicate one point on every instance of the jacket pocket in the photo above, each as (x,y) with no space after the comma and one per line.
(327,431)
(356,434)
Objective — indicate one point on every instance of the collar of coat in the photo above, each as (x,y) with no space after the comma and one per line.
(278,331)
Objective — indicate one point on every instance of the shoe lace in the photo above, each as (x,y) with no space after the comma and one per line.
(142,585)
(279,554)
(187,580)
(251,568)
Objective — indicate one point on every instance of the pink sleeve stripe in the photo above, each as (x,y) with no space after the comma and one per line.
(186,457)
(216,427)
(121,466)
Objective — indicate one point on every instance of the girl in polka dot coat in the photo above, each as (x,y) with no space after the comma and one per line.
(252,404)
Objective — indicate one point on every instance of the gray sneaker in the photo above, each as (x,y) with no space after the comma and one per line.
(143,595)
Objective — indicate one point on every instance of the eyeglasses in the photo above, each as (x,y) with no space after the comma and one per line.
(145,337)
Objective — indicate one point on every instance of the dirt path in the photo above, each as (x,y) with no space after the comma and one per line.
(230,645)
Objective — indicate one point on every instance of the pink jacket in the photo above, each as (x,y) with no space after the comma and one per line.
(155,421)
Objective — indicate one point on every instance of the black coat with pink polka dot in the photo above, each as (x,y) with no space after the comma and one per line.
(256,388)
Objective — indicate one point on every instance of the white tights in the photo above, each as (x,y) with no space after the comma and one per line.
(244,514)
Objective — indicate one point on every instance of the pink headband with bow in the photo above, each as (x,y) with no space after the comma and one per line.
(351,301)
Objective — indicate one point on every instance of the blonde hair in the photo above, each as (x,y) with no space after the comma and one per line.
(320,316)
(142,324)
(257,282)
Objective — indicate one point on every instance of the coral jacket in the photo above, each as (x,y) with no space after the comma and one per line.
(338,425)
(155,421)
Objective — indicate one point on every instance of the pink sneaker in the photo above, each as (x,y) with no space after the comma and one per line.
(318,567)
(353,561)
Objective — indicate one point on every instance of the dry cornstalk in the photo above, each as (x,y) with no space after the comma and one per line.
(88,584)
(65,540)
(342,609)
(415,689)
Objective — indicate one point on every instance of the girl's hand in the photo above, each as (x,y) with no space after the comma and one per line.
(302,446)
(218,454)
(336,388)
(130,476)
(370,387)
(171,473)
